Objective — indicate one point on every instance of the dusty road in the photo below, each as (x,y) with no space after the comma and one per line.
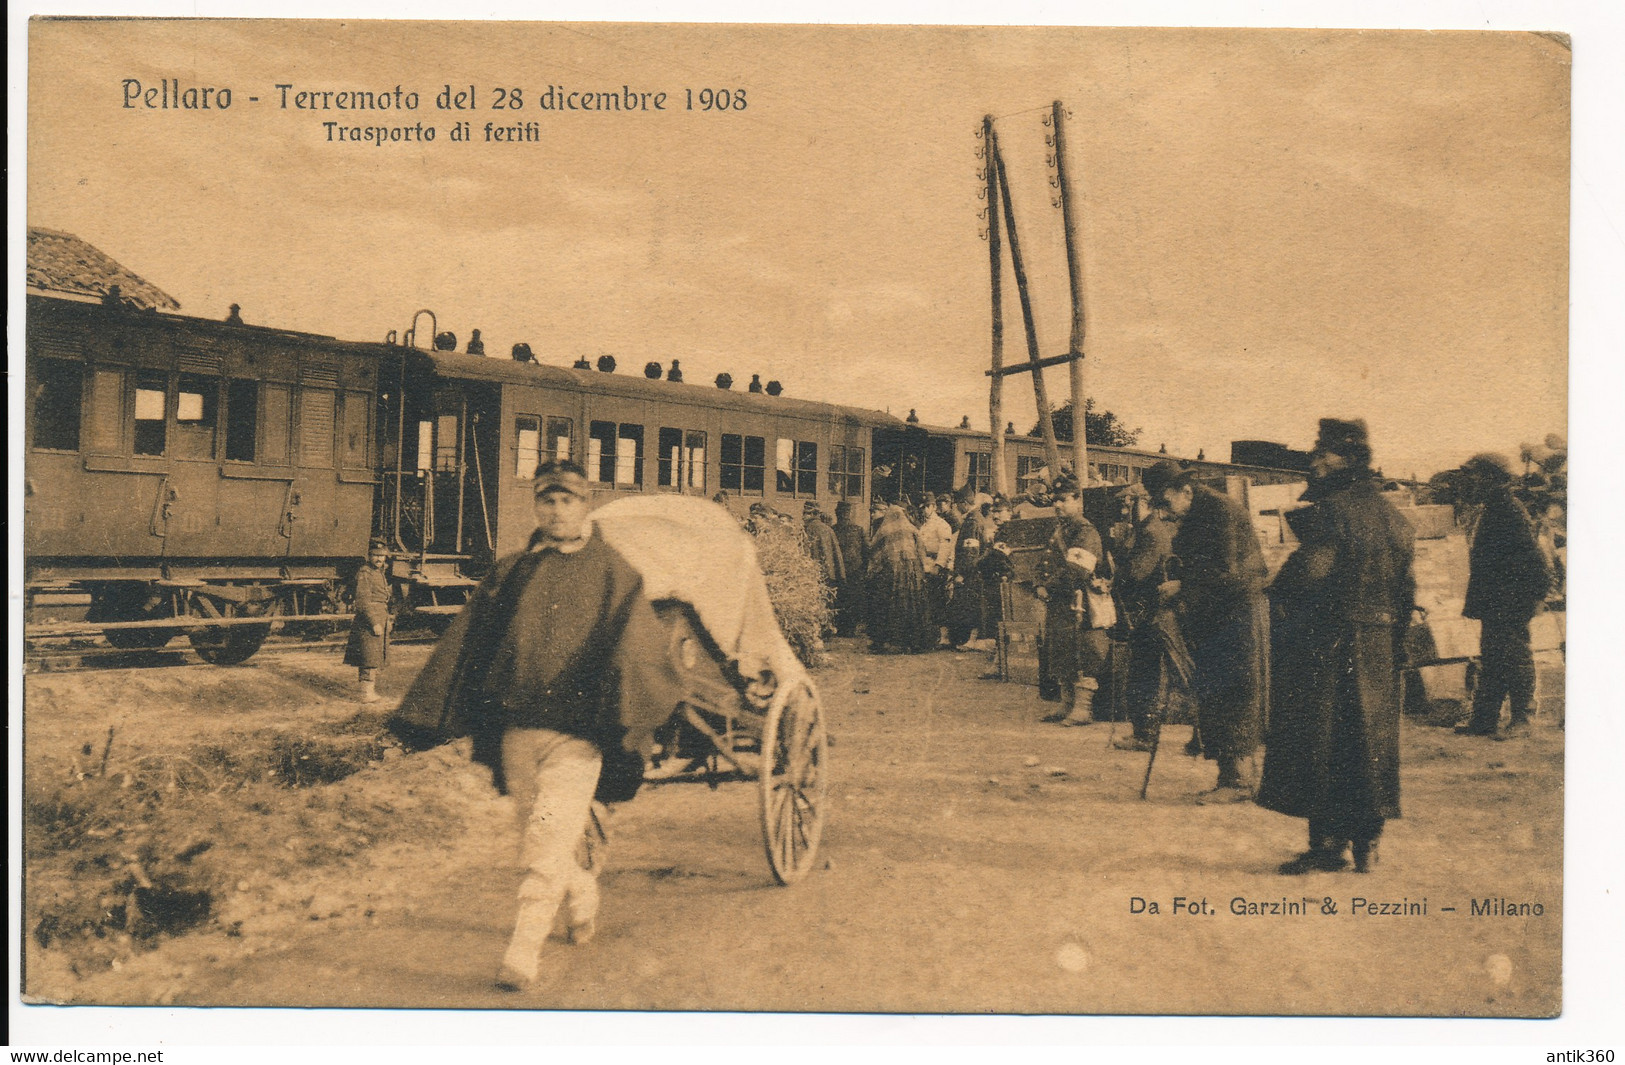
(976,861)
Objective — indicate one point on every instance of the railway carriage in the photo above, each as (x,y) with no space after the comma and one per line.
(461,436)
(188,470)
(918,459)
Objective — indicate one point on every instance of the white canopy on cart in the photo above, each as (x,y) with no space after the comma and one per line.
(693,550)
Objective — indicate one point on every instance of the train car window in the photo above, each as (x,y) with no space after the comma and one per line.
(669,459)
(845,471)
(528,434)
(197,412)
(57,389)
(446,439)
(316,427)
(151,388)
(615,453)
(694,460)
(425,446)
(560,439)
(796,467)
(355,445)
(106,409)
(744,463)
(242,419)
(681,459)
(278,411)
(979,470)
(1030,471)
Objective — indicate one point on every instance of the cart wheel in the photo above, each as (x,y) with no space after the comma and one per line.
(794,780)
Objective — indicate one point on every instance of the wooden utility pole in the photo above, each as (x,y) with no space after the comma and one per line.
(1035,366)
(995,395)
(1074,268)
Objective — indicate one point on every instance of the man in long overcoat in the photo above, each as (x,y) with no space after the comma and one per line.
(368,646)
(1219,596)
(1507,578)
(850,599)
(559,670)
(822,545)
(1342,603)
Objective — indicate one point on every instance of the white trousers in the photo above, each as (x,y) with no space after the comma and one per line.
(552,777)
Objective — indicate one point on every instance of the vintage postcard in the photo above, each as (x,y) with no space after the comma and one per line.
(431,428)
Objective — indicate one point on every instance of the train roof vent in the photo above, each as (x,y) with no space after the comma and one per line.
(199,362)
(320,375)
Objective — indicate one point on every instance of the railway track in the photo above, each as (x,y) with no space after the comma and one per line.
(83,656)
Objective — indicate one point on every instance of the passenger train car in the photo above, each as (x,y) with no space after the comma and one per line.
(912,459)
(204,477)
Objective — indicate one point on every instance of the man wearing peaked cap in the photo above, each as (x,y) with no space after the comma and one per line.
(1341,606)
(557,667)
(1219,598)
(1075,584)
(1507,578)
(821,545)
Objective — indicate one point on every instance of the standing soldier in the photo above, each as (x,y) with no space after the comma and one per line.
(1219,596)
(1075,584)
(822,545)
(974,538)
(1507,578)
(558,669)
(1143,550)
(369,632)
(850,601)
(1342,605)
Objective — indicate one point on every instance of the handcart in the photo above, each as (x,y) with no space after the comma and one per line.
(749,709)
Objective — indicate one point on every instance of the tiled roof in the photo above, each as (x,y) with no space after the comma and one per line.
(61,262)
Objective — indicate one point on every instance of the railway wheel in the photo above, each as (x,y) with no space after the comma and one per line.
(794,780)
(227,645)
(129,603)
(138,639)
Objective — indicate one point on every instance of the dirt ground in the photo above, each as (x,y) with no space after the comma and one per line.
(975,860)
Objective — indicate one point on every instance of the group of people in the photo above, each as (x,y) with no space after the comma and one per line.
(918,576)
(556,667)
(1305,665)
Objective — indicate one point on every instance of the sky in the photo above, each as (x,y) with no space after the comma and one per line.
(1274,226)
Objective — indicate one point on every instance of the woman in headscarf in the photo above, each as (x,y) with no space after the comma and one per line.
(898,615)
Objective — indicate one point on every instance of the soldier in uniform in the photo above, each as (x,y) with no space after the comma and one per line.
(1075,584)
(1507,578)
(1219,596)
(368,647)
(559,670)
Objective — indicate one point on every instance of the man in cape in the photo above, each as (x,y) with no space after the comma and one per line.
(558,669)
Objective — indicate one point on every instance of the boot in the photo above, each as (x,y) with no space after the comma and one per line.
(1517,727)
(523,958)
(1232,786)
(1314,860)
(369,692)
(1081,710)
(1365,855)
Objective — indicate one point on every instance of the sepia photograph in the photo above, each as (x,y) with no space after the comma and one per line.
(645,517)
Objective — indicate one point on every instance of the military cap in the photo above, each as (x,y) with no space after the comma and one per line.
(1064,485)
(1347,438)
(1490,462)
(561,475)
(1164,475)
